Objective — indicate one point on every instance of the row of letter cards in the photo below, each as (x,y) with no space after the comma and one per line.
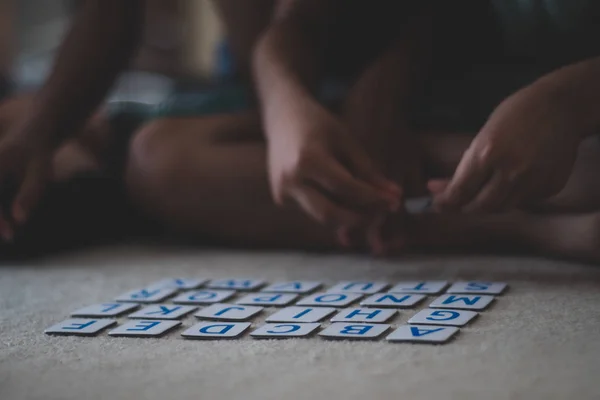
(219,320)
(198,291)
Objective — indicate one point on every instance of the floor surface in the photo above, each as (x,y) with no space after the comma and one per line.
(541,340)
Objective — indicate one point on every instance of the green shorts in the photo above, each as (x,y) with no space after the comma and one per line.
(455,104)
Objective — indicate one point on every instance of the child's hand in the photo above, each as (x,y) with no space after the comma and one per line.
(25,166)
(525,152)
(315,162)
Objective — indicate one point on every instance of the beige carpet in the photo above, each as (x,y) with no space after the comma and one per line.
(541,340)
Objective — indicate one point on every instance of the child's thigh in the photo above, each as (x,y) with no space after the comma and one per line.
(171,150)
(183,131)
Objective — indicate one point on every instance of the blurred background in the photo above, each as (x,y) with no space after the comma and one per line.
(181,42)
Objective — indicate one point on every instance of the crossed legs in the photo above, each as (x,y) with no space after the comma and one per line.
(206,178)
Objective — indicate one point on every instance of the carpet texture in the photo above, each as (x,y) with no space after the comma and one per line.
(541,340)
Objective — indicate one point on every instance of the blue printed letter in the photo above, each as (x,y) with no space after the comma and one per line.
(203,295)
(302,313)
(164,310)
(356,329)
(369,314)
(224,329)
(292,328)
(148,325)
(478,286)
(80,326)
(110,307)
(268,299)
(422,332)
(223,311)
(144,294)
(443,315)
(468,301)
(327,298)
(420,286)
(292,285)
(393,298)
(365,286)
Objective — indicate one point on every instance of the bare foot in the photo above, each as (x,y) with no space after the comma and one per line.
(564,236)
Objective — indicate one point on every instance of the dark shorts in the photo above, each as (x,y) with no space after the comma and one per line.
(5,87)
(457,102)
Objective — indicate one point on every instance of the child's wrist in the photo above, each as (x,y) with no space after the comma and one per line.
(576,99)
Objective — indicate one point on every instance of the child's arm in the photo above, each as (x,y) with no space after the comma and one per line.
(526,150)
(244,21)
(377,108)
(313,159)
(99,44)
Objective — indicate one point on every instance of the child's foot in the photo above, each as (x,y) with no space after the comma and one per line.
(565,236)
(570,236)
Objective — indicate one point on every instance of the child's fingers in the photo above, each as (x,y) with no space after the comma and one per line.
(343,236)
(470,176)
(437,186)
(30,192)
(324,210)
(375,236)
(492,197)
(364,168)
(6,230)
(348,190)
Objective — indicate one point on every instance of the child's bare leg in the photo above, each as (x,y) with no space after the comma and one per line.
(443,151)
(567,225)
(206,177)
(574,236)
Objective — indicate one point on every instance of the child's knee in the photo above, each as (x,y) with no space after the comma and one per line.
(152,161)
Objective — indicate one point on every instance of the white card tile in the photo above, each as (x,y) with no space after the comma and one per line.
(330,299)
(301,287)
(178,283)
(301,314)
(268,299)
(358,287)
(419,287)
(228,312)
(474,287)
(418,205)
(216,330)
(147,295)
(371,315)
(80,327)
(204,296)
(144,328)
(462,301)
(285,330)
(236,284)
(443,317)
(163,311)
(105,310)
(393,300)
(422,334)
(344,330)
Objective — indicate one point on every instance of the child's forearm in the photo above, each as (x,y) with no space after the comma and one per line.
(577,87)
(288,57)
(380,95)
(378,104)
(98,46)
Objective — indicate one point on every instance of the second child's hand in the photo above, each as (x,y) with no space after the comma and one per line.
(316,163)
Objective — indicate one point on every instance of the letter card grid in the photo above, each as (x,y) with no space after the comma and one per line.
(190,308)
